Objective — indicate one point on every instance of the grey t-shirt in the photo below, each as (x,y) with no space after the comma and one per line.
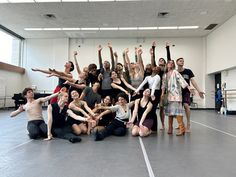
(91,97)
(106,82)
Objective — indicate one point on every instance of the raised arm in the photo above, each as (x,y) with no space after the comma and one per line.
(61,73)
(126,59)
(18,111)
(136,54)
(112,56)
(100,56)
(76,62)
(168,51)
(116,60)
(41,70)
(140,60)
(152,53)
(79,86)
(70,79)
(47,98)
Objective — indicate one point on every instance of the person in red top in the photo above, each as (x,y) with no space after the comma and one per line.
(69,67)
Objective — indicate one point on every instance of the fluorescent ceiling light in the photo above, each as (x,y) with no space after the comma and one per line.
(52,29)
(47,0)
(107,29)
(113,28)
(70,29)
(188,27)
(21,1)
(128,28)
(89,29)
(32,1)
(74,0)
(168,27)
(101,0)
(147,28)
(33,29)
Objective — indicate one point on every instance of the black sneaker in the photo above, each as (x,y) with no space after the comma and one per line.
(97,136)
(75,140)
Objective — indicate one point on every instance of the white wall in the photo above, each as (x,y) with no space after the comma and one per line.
(10,83)
(221,55)
(221,47)
(44,54)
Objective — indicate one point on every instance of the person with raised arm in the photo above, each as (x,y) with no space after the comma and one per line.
(119,85)
(36,125)
(74,84)
(136,70)
(153,82)
(79,71)
(69,67)
(105,74)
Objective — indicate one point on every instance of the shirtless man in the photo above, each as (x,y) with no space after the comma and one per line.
(36,125)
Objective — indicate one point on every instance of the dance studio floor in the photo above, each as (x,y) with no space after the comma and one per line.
(208,151)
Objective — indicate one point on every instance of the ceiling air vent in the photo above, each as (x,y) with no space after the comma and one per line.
(211,26)
(50,16)
(162,14)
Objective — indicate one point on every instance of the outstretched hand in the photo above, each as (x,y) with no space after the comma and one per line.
(201,94)
(34,69)
(115,54)
(99,47)
(154,43)
(75,53)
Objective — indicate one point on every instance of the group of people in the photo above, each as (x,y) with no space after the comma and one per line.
(109,99)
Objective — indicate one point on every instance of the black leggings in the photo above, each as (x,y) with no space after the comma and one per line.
(37,129)
(155,103)
(65,133)
(116,128)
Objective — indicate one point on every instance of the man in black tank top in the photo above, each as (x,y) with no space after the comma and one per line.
(57,125)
